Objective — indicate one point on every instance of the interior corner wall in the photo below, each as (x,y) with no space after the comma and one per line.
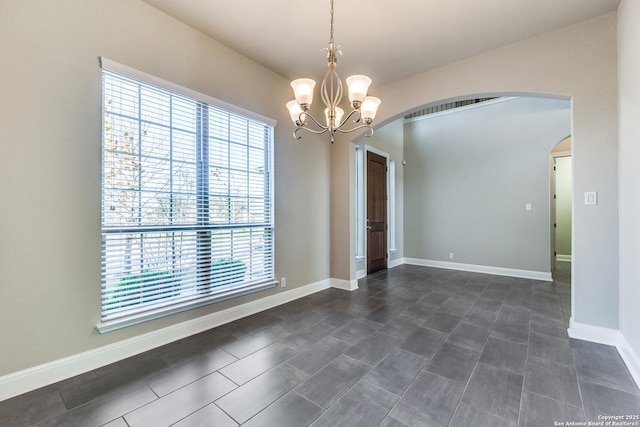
(469,177)
(579,62)
(342,210)
(50,167)
(629,155)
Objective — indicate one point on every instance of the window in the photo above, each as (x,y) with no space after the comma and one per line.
(186,200)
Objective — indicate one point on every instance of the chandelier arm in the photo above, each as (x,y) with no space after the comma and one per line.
(317,132)
(317,123)
(324,95)
(346,119)
(356,128)
(363,126)
(332,96)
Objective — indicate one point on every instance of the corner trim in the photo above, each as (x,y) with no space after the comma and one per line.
(396,262)
(629,357)
(345,285)
(607,336)
(597,334)
(500,271)
(38,376)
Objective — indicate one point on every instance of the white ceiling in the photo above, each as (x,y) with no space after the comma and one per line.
(385,40)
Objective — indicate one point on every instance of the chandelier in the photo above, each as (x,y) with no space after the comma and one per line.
(363,107)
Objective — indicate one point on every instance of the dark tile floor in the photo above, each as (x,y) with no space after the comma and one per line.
(414,346)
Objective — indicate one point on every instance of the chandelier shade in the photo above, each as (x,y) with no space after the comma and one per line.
(295,111)
(303,91)
(339,113)
(358,87)
(370,108)
(363,107)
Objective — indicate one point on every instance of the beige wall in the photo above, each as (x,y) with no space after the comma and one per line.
(577,62)
(629,71)
(50,140)
(563,147)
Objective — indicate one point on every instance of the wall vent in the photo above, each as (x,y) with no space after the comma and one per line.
(445,107)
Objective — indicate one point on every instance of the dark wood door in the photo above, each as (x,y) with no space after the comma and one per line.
(376,212)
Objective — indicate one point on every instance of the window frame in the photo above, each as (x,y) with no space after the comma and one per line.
(360,203)
(392,205)
(148,311)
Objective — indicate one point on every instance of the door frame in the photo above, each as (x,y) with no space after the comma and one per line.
(367,149)
(552,201)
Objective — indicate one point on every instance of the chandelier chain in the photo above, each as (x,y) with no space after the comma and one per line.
(331,21)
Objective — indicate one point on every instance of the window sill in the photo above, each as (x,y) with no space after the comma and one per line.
(123,322)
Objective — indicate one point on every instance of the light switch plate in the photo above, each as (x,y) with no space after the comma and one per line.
(590,198)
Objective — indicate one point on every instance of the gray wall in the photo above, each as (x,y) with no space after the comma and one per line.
(629,69)
(469,175)
(580,62)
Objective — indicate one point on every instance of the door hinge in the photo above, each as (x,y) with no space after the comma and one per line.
(554,225)
(554,168)
(554,197)
(555,253)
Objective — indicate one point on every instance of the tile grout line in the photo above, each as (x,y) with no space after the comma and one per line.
(406,388)
(524,374)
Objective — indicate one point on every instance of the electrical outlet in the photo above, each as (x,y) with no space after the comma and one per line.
(450,255)
(283,282)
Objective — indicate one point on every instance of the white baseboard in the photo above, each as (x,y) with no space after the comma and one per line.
(345,285)
(526,274)
(396,262)
(392,263)
(608,336)
(630,357)
(38,376)
(597,334)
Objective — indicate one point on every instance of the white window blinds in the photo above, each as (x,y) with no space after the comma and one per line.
(186,200)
